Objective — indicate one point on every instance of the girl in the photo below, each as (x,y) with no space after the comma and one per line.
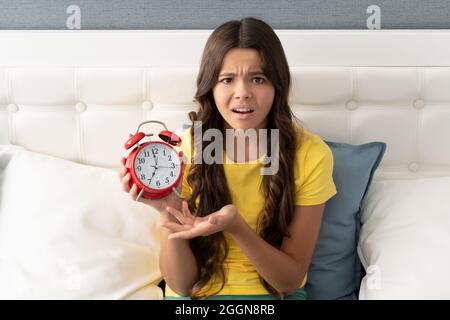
(235,233)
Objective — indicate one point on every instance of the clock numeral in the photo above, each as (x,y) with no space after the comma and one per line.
(155,151)
(172,165)
(142,176)
(139,168)
(164,152)
(170,157)
(171,173)
(158,183)
(146,154)
(167,180)
(141,160)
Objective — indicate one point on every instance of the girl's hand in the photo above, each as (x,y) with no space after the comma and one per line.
(158,204)
(190,227)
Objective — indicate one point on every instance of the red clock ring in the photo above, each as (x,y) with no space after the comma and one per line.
(151,193)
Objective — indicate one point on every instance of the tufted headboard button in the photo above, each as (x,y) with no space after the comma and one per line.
(147,105)
(13,108)
(351,105)
(80,107)
(413,167)
(419,104)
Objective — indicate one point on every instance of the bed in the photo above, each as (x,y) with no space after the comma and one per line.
(70,99)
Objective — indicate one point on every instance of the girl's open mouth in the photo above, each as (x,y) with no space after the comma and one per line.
(243,110)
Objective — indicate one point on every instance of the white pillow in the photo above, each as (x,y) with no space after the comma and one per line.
(404,243)
(67,231)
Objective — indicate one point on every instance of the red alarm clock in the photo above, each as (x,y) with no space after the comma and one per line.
(155,166)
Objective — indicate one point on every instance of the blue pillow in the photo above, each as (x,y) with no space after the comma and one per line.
(335,270)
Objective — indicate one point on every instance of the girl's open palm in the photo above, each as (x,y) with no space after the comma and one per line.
(190,226)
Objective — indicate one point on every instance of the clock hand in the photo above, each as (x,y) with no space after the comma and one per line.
(153,174)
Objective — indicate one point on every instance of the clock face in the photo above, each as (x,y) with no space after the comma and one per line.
(157,166)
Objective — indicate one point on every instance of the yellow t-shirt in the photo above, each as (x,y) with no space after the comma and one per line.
(314,185)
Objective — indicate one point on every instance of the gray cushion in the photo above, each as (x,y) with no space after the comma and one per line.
(335,268)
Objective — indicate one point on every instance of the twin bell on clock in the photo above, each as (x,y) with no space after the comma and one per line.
(155,166)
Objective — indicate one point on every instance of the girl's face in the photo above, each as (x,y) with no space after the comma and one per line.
(243,94)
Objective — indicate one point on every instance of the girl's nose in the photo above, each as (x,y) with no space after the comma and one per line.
(242,91)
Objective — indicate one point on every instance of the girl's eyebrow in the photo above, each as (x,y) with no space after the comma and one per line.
(252,73)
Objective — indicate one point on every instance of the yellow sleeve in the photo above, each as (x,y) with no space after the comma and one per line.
(186,190)
(314,175)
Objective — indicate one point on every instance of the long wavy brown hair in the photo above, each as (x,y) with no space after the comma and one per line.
(208,181)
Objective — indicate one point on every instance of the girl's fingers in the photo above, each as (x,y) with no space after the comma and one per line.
(175,227)
(177,214)
(122,172)
(203,229)
(213,219)
(188,234)
(185,208)
(133,192)
(126,182)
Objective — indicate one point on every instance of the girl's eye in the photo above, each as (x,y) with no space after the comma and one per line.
(258,80)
